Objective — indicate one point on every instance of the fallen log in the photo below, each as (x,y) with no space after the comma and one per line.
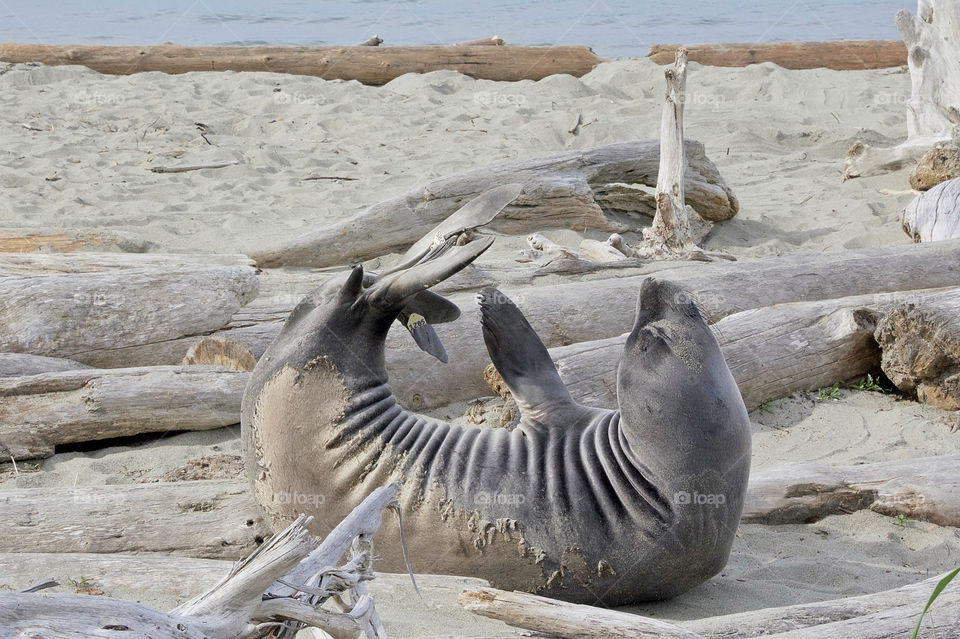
(18,364)
(841,55)
(19,240)
(243,602)
(925,489)
(584,311)
(77,315)
(920,341)
(558,190)
(935,214)
(38,412)
(216,519)
(369,65)
(772,351)
(98,262)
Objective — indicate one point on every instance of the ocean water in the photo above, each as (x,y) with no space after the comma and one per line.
(614,28)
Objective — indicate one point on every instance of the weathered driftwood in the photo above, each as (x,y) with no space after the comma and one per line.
(183,168)
(884,615)
(672,233)
(934,215)
(16,364)
(219,351)
(939,164)
(772,351)
(925,489)
(931,39)
(20,240)
(493,41)
(369,65)
(77,315)
(767,621)
(210,518)
(583,311)
(841,55)
(38,412)
(558,190)
(572,621)
(920,340)
(236,606)
(97,262)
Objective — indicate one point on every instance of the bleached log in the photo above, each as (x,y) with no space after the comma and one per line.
(841,55)
(38,412)
(934,108)
(768,621)
(369,65)
(75,315)
(21,240)
(210,518)
(935,214)
(98,262)
(184,168)
(18,364)
(597,251)
(925,489)
(920,341)
(939,164)
(236,606)
(572,621)
(559,190)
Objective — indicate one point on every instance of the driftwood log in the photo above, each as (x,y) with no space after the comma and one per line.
(925,489)
(98,262)
(210,518)
(889,614)
(17,364)
(566,190)
(236,607)
(939,164)
(931,39)
(369,65)
(920,340)
(37,412)
(583,311)
(935,214)
(841,55)
(77,315)
(19,240)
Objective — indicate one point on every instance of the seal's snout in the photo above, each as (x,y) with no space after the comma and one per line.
(659,299)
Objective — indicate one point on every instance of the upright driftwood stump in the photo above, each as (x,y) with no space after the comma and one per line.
(932,38)
(934,215)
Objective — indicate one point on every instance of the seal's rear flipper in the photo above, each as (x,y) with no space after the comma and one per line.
(523,361)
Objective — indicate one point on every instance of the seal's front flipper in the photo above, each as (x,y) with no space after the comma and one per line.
(524,363)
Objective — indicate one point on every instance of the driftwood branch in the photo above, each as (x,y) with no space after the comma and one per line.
(841,55)
(565,190)
(369,65)
(183,168)
(38,412)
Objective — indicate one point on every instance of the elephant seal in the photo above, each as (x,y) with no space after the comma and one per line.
(577,503)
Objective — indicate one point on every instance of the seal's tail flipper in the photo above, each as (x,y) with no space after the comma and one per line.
(522,359)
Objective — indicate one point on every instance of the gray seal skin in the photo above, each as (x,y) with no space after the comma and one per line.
(577,503)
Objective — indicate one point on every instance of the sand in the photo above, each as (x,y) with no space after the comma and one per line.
(777,136)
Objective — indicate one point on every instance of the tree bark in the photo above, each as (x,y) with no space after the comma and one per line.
(369,65)
(935,214)
(75,315)
(559,190)
(38,412)
(920,340)
(841,55)
(20,240)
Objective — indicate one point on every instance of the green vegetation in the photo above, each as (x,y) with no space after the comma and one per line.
(936,593)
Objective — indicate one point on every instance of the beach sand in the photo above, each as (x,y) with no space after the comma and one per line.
(777,136)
